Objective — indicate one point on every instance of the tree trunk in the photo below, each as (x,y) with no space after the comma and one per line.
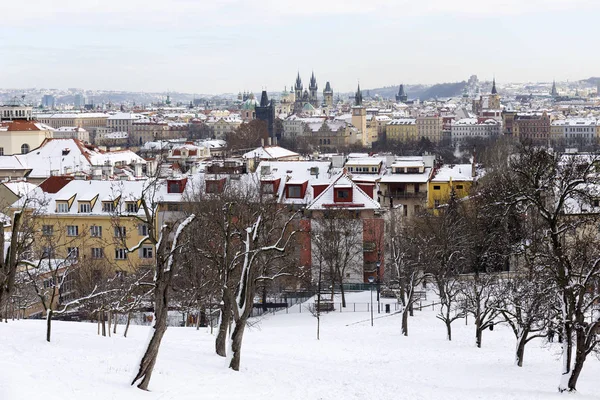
(478,333)
(448,329)
(580,356)
(567,349)
(115,323)
(221,342)
(236,344)
(109,322)
(405,321)
(127,325)
(159,324)
(521,342)
(343,294)
(198,315)
(103,324)
(48,323)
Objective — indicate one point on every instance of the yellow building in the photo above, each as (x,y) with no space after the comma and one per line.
(21,136)
(401,130)
(99,221)
(430,127)
(458,177)
(359,120)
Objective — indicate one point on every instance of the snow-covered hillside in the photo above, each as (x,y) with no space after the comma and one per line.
(281,359)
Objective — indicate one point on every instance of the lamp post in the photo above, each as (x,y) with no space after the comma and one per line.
(371,279)
(378,281)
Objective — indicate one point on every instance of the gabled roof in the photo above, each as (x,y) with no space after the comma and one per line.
(360,200)
(270,153)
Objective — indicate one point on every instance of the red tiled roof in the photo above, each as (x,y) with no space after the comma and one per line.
(54,183)
(21,125)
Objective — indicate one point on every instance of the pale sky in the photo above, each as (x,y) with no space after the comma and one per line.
(200,46)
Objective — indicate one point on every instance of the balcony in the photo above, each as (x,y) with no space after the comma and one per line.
(405,195)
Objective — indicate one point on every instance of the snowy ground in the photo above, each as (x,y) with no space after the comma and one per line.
(282,359)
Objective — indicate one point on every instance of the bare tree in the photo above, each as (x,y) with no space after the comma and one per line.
(560,192)
(407,264)
(337,240)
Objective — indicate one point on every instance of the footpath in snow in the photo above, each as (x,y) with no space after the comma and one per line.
(281,359)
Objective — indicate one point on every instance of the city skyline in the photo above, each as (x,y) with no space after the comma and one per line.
(231,46)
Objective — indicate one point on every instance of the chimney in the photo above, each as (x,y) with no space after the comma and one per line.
(262,142)
(269,141)
(138,169)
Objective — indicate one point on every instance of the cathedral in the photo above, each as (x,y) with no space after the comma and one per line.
(305,98)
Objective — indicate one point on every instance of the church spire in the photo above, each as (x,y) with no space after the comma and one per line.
(554,92)
(358,97)
(494,91)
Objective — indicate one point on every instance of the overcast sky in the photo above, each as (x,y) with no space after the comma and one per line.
(198,46)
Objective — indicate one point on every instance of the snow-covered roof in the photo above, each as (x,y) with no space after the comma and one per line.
(20,188)
(407,178)
(71,155)
(360,200)
(458,172)
(270,153)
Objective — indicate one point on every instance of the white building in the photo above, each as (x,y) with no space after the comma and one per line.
(467,128)
(72,132)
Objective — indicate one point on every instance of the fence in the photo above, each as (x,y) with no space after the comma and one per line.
(350,307)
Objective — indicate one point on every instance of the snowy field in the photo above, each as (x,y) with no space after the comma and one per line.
(281,359)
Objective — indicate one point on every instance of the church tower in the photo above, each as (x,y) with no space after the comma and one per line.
(359,117)
(266,112)
(401,97)
(313,91)
(328,95)
(494,98)
(554,92)
(298,87)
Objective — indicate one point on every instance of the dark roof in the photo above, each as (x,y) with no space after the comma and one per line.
(54,183)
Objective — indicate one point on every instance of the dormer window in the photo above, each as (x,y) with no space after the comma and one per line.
(108,206)
(343,195)
(62,207)
(132,207)
(268,187)
(294,191)
(85,207)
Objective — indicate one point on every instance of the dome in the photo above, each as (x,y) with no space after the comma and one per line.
(250,104)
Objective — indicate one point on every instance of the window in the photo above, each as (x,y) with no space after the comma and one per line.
(132,207)
(97,252)
(143,230)
(120,254)
(120,231)
(95,231)
(84,207)
(72,230)
(436,187)
(343,194)
(24,148)
(268,188)
(62,207)
(459,187)
(146,252)
(47,230)
(1,151)
(294,192)
(47,252)
(108,206)
(212,187)
(72,252)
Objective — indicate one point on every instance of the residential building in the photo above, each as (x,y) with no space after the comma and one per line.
(430,127)
(72,132)
(468,128)
(81,120)
(122,122)
(329,135)
(458,177)
(533,126)
(15,109)
(406,184)
(401,130)
(20,136)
